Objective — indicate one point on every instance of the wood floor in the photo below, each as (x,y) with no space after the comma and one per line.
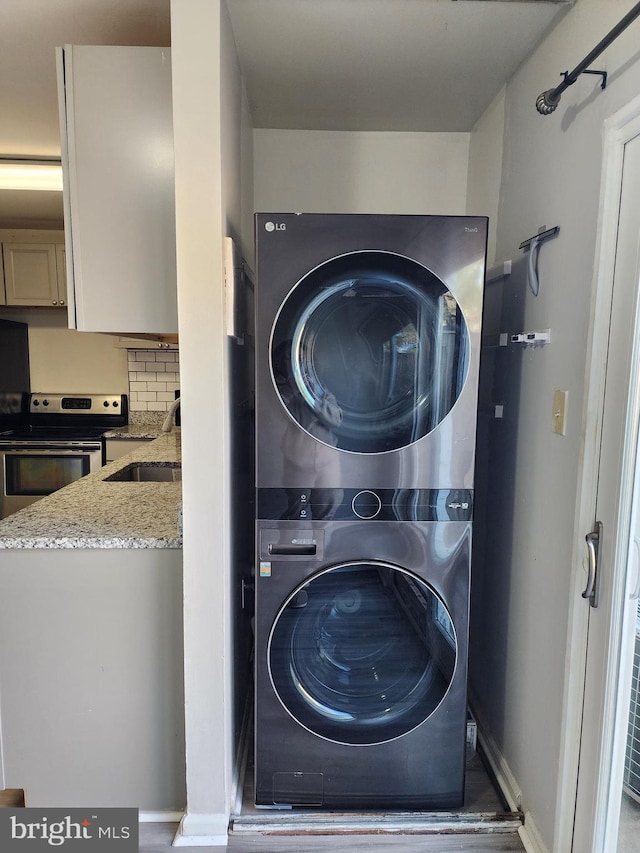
(157,838)
(483,825)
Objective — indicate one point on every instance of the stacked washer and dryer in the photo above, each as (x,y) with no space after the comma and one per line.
(367,345)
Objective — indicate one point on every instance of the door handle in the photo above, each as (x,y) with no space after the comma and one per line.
(594,544)
(292,550)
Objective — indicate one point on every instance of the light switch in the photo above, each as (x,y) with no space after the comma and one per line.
(560,412)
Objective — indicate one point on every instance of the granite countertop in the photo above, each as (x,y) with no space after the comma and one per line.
(92,513)
(135,431)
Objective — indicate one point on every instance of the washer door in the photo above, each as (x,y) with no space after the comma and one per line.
(362,653)
(369,352)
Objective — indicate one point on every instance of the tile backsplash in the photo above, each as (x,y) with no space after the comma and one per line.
(154,377)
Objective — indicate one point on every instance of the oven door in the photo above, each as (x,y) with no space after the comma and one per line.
(31,471)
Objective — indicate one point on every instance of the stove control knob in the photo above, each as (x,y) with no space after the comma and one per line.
(36,402)
(45,402)
(115,404)
(106,404)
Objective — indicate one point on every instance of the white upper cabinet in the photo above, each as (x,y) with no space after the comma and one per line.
(33,264)
(117,155)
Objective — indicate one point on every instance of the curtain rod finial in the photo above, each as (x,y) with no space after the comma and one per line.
(546,102)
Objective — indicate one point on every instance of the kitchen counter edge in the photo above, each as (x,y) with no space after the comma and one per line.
(92,513)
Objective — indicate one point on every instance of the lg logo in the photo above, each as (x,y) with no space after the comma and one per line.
(275,226)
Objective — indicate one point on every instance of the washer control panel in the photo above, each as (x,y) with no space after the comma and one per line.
(320,504)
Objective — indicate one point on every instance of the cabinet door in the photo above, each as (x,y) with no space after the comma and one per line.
(117,154)
(144,343)
(31,274)
(116,448)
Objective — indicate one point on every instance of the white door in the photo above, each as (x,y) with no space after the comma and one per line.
(611,608)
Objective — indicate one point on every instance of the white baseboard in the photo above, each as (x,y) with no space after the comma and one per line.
(160,817)
(202,830)
(530,836)
(501,770)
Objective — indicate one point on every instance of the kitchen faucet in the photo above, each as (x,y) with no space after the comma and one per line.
(167,423)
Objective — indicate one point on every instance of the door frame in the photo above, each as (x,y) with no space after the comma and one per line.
(619,129)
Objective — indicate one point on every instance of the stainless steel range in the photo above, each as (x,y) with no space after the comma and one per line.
(62,440)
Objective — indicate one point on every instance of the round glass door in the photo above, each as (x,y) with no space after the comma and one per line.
(369,352)
(362,653)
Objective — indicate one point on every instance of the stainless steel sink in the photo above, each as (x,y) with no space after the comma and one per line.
(147,472)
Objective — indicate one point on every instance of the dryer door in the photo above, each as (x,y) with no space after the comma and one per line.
(362,653)
(369,352)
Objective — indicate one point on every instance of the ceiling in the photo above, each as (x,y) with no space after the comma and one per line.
(404,65)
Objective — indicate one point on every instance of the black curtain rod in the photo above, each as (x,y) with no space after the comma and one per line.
(549,100)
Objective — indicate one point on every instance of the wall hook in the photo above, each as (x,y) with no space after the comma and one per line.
(533,245)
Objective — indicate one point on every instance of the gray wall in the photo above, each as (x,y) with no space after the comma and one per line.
(522,588)
(91,706)
(210,119)
(65,360)
(306,171)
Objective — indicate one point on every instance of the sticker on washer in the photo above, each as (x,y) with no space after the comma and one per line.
(265,568)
